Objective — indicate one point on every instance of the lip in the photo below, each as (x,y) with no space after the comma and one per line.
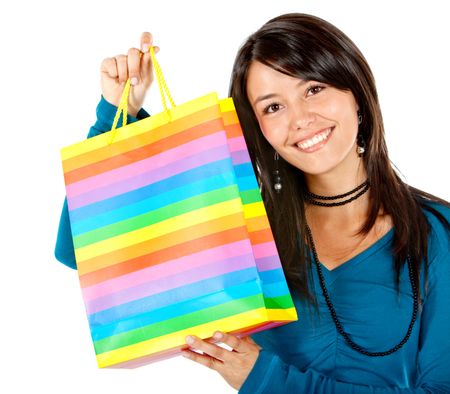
(316,146)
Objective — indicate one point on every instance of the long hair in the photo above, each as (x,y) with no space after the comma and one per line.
(310,48)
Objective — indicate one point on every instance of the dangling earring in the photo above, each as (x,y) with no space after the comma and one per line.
(276,175)
(360,143)
(360,118)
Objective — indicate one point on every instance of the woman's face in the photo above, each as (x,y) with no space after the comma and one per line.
(311,125)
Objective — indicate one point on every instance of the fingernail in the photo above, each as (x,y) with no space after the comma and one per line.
(189,340)
(218,335)
(134,81)
(145,47)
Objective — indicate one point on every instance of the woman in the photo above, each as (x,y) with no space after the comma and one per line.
(366,256)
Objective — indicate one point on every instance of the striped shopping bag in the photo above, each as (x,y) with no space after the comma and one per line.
(170,233)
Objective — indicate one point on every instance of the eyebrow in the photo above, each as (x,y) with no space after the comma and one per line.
(271,95)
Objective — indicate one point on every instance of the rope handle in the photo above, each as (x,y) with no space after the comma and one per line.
(123,104)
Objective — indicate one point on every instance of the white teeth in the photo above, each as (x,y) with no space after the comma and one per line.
(315,140)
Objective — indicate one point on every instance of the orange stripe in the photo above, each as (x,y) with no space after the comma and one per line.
(156,134)
(143,152)
(161,256)
(230,117)
(167,240)
(233,131)
(259,237)
(257,223)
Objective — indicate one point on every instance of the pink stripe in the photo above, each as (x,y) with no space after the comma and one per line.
(152,176)
(240,157)
(160,160)
(268,263)
(265,249)
(168,268)
(198,274)
(237,143)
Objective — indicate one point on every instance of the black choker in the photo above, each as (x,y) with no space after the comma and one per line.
(313,198)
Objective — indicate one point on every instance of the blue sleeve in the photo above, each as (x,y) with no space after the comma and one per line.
(64,251)
(271,374)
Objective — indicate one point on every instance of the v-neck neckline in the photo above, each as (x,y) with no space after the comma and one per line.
(357,258)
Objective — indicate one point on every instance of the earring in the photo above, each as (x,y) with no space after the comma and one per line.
(360,145)
(276,175)
(360,118)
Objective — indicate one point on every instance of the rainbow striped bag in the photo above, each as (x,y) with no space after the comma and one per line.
(170,232)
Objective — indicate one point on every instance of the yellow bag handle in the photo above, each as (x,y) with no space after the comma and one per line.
(123,104)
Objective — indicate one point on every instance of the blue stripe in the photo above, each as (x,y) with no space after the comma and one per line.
(243,170)
(173,296)
(271,276)
(196,174)
(244,290)
(276,289)
(153,203)
(247,183)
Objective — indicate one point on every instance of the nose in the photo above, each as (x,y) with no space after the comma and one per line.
(301,117)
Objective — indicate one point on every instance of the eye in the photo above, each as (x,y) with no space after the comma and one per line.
(314,89)
(271,108)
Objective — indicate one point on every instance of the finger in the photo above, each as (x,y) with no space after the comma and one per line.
(203,359)
(146,66)
(122,68)
(146,41)
(109,67)
(210,349)
(134,60)
(232,341)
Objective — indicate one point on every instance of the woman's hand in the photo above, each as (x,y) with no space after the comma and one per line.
(115,71)
(235,365)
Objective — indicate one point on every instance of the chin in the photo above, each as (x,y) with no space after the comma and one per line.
(318,169)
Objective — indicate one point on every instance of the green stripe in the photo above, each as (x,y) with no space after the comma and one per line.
(281,302)
(179,323)
(158,215)
(250,196)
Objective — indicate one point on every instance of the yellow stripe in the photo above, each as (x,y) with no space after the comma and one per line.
(140,127)
(254,209)
(147,137)
(227,105)
(156,230)
(282,314)
(155,345)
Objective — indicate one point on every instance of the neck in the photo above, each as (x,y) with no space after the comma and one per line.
(332,184)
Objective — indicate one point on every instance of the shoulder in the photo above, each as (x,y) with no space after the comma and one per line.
(438,217)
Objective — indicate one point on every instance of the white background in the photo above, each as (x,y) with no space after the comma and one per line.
(50,57)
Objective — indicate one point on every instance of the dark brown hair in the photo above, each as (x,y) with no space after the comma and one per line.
(307,47)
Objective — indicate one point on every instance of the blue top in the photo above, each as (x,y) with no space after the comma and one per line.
(309,356)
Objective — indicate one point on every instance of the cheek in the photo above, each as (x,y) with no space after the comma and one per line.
(345,113)
(272,131)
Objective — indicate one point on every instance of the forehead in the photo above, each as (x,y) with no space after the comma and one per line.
(261,77)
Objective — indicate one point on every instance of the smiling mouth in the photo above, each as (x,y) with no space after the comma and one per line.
(317,141)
